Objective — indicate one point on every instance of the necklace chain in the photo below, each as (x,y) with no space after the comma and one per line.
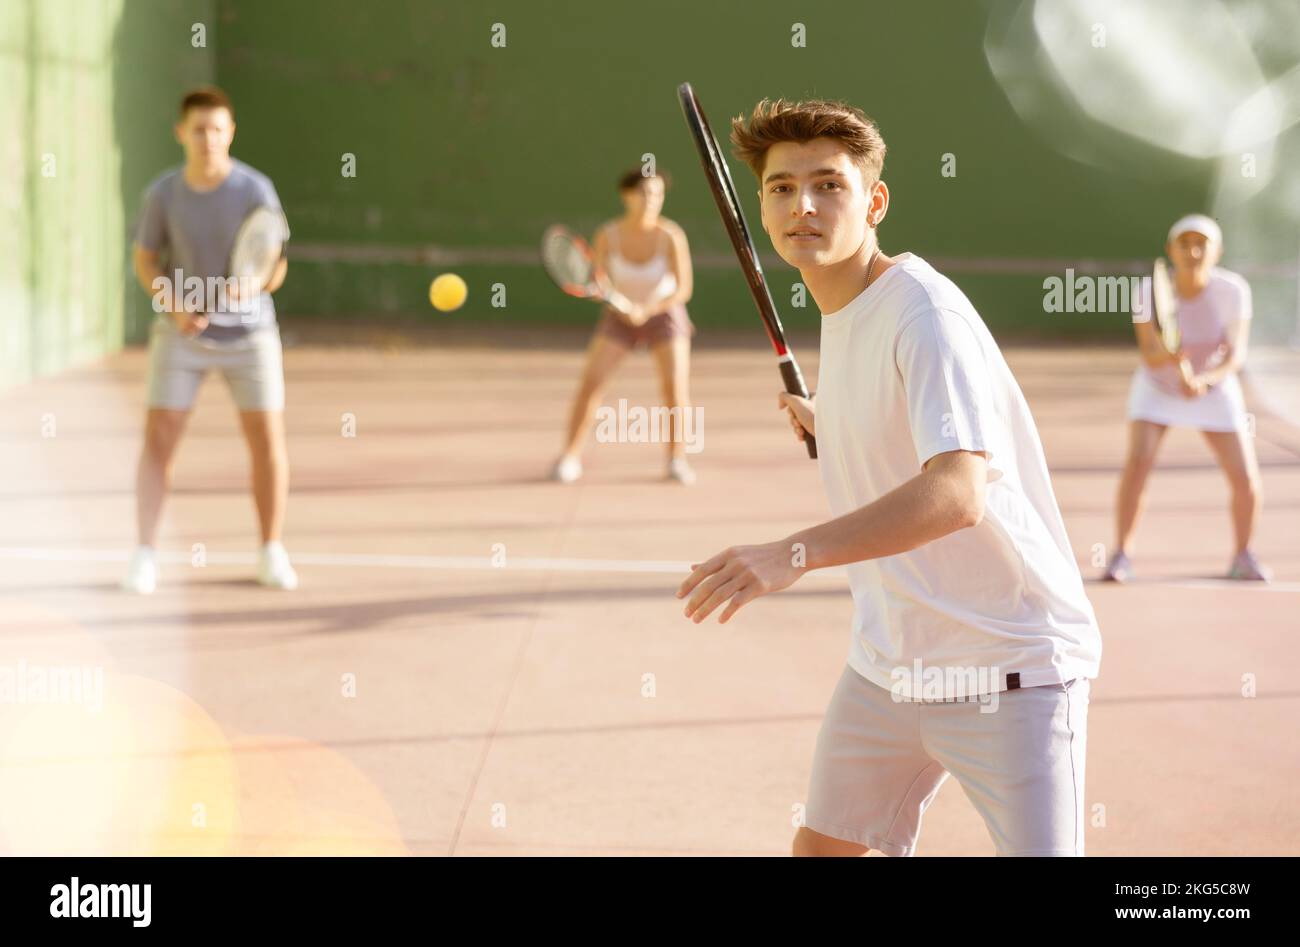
(871,265)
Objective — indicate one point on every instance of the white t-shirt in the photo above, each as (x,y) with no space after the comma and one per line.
(908,371)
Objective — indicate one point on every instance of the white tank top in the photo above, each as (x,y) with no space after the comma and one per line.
(641,282)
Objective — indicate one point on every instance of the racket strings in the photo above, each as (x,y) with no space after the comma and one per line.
(567,262)
(1164,301)
(258,245)
(253,254)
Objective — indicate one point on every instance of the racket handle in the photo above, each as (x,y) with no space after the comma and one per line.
(794,384)
(618,301)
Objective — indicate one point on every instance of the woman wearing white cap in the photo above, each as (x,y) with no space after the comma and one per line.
(1196,388)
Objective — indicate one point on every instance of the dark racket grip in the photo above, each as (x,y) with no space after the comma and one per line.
(794,384)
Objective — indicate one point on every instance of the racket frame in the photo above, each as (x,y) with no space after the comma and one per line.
(594,289)
(733,220)
(1164,305)
(243,237)
(588,290)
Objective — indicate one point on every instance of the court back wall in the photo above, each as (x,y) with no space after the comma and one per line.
(464,151)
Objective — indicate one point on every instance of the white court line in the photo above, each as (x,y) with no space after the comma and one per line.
(1219,585)
(485,563)
(524,564)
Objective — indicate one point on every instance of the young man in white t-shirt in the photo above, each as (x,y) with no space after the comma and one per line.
(973,641)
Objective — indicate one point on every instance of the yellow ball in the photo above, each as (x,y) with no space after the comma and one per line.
(448,292)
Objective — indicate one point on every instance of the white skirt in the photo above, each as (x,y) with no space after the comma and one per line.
(1222,408)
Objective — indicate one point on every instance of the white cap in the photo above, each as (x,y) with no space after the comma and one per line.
(1196,223)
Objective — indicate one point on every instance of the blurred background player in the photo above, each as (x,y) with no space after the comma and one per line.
(1198,388)
(186,229)
(645,257)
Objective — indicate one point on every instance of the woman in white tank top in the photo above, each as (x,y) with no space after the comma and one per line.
(646,258)
(1199,389)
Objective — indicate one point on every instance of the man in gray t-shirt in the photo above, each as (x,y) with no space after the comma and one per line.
(193,231)
(183,240)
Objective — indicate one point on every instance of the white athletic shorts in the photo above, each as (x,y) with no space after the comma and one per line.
(879,764)
(252,366)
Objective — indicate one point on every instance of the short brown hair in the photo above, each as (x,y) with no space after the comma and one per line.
(801,122)
(206,97)
(636,177)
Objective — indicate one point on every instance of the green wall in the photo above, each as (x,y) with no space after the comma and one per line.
(465,152)
(475,149)
(89,88)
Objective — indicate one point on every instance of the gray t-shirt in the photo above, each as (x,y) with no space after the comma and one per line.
(195,230)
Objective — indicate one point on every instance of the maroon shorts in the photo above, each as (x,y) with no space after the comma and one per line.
(660,328)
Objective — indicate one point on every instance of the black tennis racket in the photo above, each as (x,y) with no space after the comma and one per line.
(733,218)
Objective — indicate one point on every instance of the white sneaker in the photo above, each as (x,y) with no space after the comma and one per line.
(567,469)
(142,572)
(1247,568)
(680,470)
(1119,569)
(274,570)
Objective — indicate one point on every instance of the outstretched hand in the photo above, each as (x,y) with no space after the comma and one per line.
(739,575)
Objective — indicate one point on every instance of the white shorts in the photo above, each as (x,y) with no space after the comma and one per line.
(879,764)
(1222,408)
(253,368)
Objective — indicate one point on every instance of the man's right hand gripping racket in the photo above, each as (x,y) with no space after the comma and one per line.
(733,218)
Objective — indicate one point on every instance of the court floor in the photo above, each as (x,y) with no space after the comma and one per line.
(481,662)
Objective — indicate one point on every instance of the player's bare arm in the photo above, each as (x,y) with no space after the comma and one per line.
(147,272)
(947,495)
(1154,354)
(277,276)
(616,300)
(274,282)
(1150,349)
(147,268)
(680,263)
